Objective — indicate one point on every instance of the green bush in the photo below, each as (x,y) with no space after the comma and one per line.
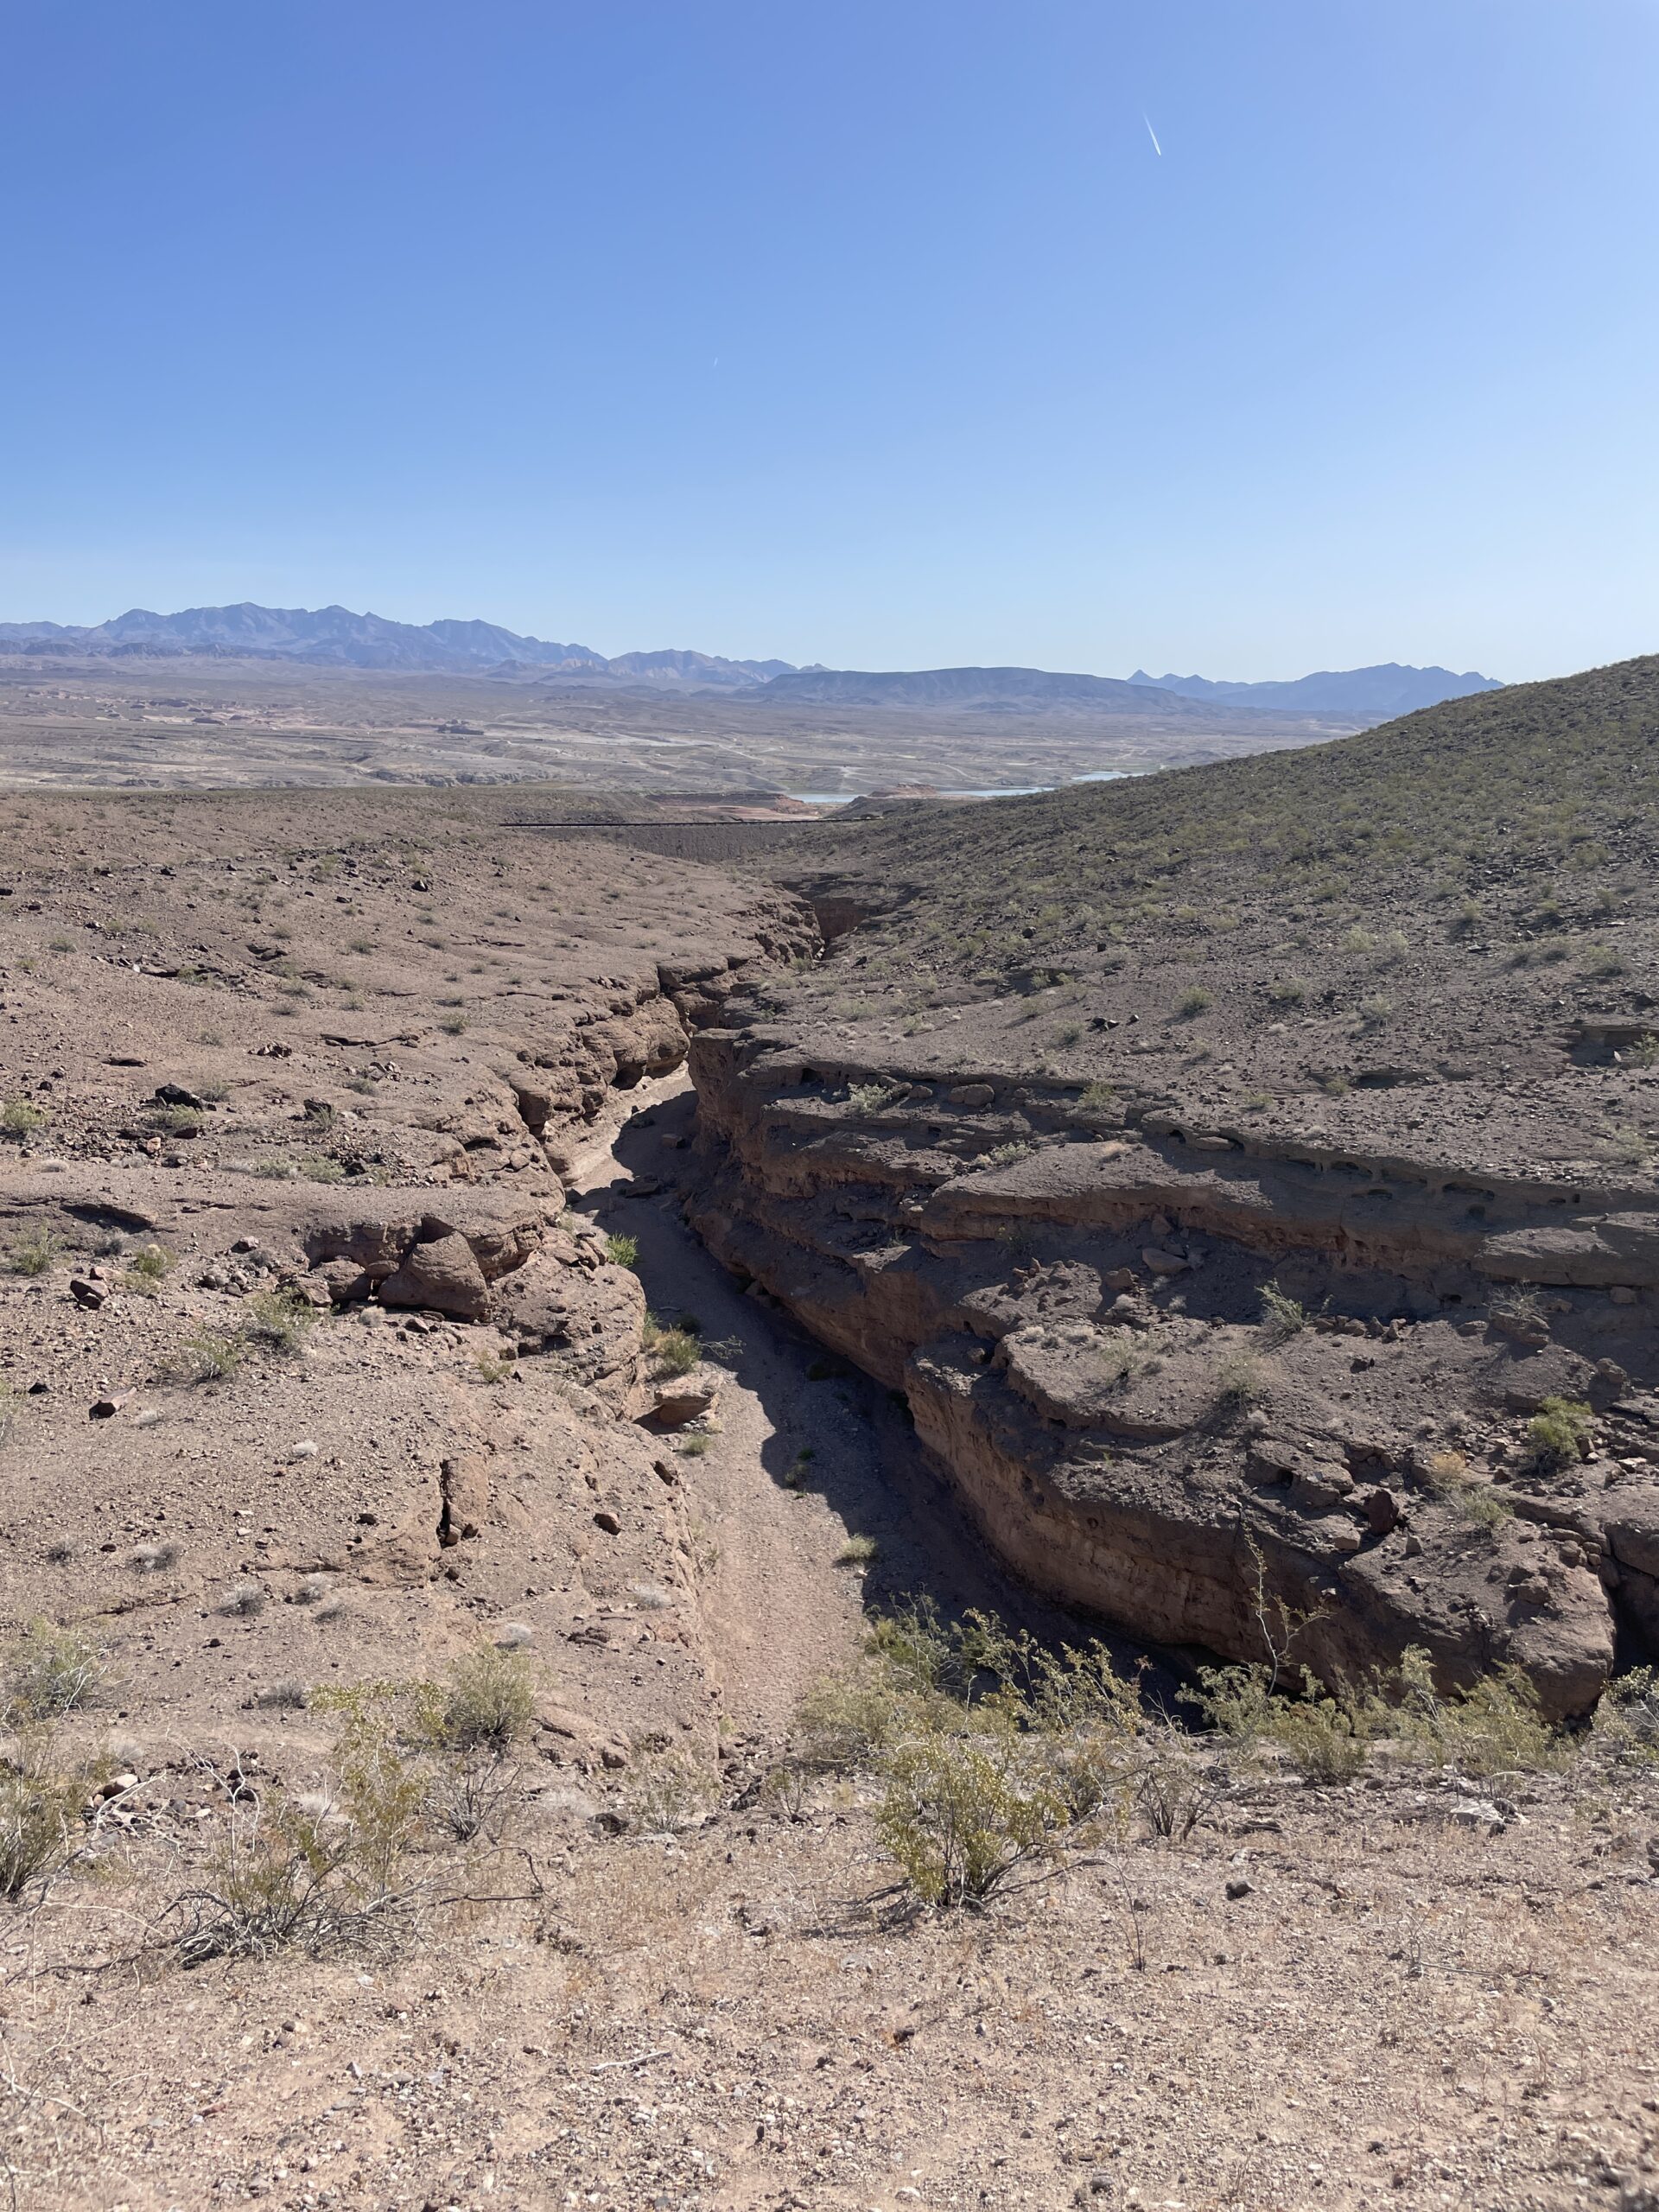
(1282,1316)
(205,1355)
(148,1270)
(20,1117)
(622,1251)
(279,1318)
(992,1753)
(34,1254)
(1626,1726)
(1558,1433)
(671,1351)
(487,1700)
(1192,1003)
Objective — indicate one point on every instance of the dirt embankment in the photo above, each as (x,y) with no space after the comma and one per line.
(1179,1374)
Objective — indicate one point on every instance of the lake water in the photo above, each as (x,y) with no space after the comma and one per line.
(999,790)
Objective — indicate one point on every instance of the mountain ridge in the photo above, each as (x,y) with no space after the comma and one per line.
(335,637)
(1387,688)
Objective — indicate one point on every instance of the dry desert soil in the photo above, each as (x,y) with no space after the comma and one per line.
(495,1320)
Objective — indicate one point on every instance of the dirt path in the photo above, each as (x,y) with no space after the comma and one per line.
(779,1606)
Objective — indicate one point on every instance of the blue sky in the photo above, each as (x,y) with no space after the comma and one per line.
(873,332)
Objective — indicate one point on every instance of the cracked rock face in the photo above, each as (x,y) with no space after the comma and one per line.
(1077,1322)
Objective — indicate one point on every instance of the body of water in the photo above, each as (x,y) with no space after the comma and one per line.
(998,790)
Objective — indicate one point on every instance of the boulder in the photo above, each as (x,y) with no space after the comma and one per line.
(679,1398)
(443,1276)
(464,1485)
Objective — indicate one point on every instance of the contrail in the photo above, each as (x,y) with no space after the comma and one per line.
(1153,135)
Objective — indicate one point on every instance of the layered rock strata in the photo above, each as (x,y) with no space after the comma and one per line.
(1207,1385)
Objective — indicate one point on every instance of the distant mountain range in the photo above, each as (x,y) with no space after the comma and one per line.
(332,637)
(1012,690)
(1379,693)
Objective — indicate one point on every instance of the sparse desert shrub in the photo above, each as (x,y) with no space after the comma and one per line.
(1330,1734)
(205,1355)
(279,1318)
(671,1351)
(289,1696)
(1626,1726)
(1068,1034)
(622,1251)
(1326,1735)
(1493,1728)
(1281,1315)
(42,1803)
(1004,1155)
(320,1167)
(487,1700)
(244,1600)
(1375,1013)
(50,1671)
(495,1367)
(1192,1003)
(148,1270)
(1122,1357)
(452,1024)
(1290,991)
(1603,962)
(20,1117)
(176,1120)
(1627,1146)
(472,1798)
(993,1752)
(667,1793)
(692,1447)
(869,1097)
(34,1254)
(1240,1379)
(857,1551)
(154,1558)
(1095,1097)
(1176,1784)
(316,1874)
(1558,1433)
(1449,1475)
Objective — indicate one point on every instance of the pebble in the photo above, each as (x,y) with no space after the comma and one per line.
(305,1451)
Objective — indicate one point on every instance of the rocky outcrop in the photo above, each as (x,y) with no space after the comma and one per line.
(1070,1297)
(415,1255)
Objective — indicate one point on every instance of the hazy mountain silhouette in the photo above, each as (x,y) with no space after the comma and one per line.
(1386,690)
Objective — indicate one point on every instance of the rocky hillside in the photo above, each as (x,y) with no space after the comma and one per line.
(1247,1175)
(290,1303)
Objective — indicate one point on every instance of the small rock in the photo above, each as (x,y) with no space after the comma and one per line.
(118,1785)
(86,1293)
(608,1520)
(307,1450)
(1161,1262)
(245,1244)
(971,1094)
(1622,1294)
(1239,1887)
(106,1408)
(1381,1509)
(174,1094)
